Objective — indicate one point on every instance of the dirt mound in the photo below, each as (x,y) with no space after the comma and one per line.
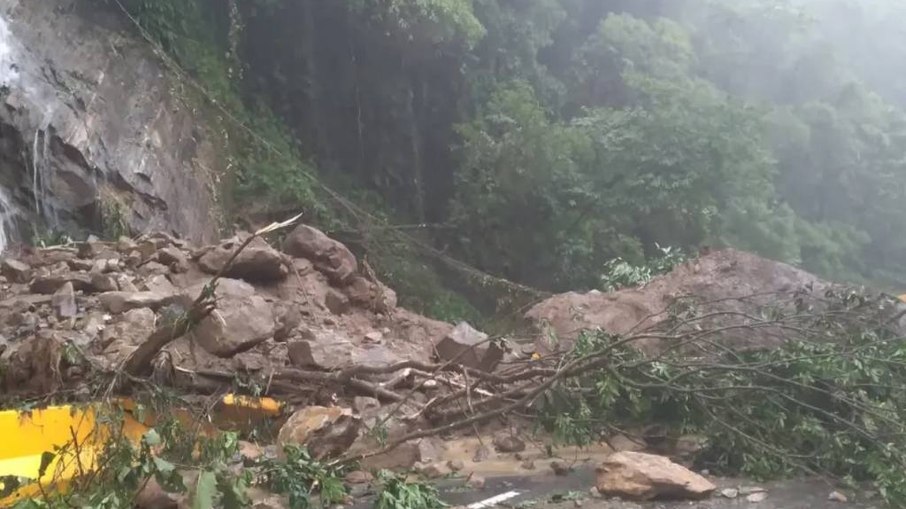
(725,289)
(98,301)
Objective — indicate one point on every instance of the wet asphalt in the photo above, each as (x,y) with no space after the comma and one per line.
(572,491)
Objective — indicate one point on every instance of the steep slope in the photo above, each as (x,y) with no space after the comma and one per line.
(93,133)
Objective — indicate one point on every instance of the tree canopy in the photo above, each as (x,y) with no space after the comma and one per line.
(551,136)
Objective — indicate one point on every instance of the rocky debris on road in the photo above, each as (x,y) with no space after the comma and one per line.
(642,476)
(727,286)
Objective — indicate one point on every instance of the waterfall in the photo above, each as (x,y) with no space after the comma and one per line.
(40,173)
(8,71)
(7,224)
(8,74)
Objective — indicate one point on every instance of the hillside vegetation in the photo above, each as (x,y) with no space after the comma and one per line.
(537,140)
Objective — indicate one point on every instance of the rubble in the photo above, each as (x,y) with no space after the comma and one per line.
(274,310)
(726,285)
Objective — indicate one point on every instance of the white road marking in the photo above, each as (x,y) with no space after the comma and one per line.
(491,502)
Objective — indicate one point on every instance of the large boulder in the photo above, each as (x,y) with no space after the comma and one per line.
(725,284)
(640,476)
(331,352)
(258,262)
(468,347)
(241,321)
(329,256)
(325,431)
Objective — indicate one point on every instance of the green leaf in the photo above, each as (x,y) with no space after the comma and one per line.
(205,489)
(163,466)
(152,438)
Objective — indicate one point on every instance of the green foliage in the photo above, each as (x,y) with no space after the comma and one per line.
(300,477)
(451,307)
(398,493)
(437,20)
(619,273)
(583,131)
(114,223)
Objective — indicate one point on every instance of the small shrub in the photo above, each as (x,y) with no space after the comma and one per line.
(300,477)
(398,493)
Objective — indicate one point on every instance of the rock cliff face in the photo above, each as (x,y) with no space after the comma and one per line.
(92,130)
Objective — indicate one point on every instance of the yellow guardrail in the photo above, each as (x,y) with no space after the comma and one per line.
(46,449)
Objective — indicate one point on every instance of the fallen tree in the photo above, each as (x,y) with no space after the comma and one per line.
(827,401)
(820,392)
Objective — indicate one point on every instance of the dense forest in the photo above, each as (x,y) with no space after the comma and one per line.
(536,140)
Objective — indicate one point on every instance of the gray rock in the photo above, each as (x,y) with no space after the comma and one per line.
(326,431)
(64,302)
(433,470)
(757,497)
(729,493)
(15,271)
(483,453)
(241,321)
(174,258)
(358,477)
(125,245)
(258,262)
(468,347)
(456,465)
(329,256)
(50,283)
(103,282)
(132,328)
(288,318)
(125,284)
(159,284)
(506,442)
(336,301)
(118,302)
(364,405)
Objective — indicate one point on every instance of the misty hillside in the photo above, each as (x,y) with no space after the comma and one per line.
(536,140)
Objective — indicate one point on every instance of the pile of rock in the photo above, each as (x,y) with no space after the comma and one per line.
(306,306)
